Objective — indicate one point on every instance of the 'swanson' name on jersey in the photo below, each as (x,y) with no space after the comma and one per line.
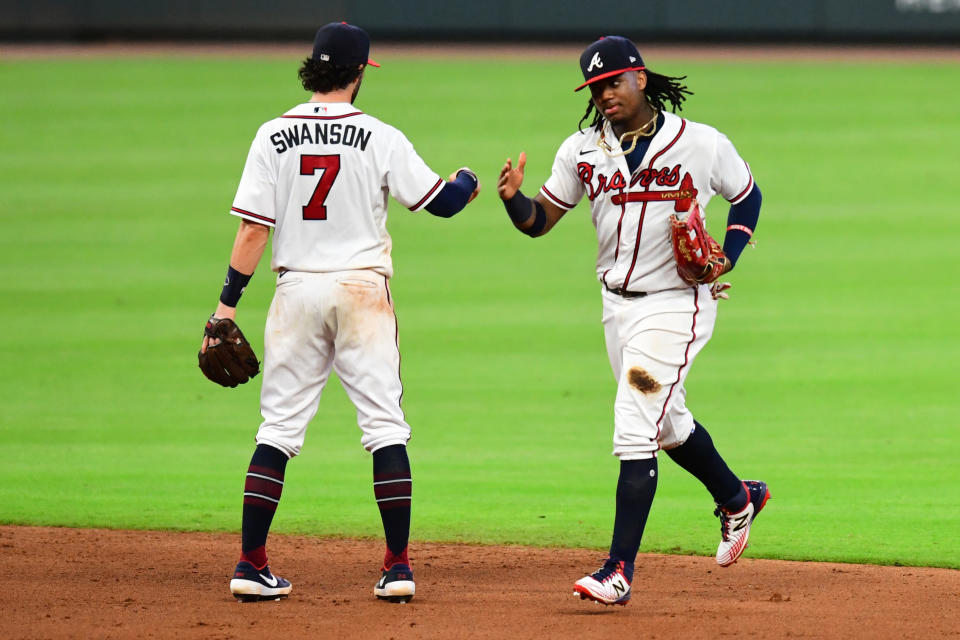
(321,133)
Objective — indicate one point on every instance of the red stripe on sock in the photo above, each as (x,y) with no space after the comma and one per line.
(393,504)
(390,559)
(392,490)
(260,502)
(266,471)
(257,557)
(268,488)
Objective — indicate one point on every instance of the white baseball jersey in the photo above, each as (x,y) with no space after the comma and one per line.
(320,174)
(631,212)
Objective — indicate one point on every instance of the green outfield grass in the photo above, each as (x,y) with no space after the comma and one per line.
(831,374)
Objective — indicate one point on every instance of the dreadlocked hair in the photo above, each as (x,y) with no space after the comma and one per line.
(660,90)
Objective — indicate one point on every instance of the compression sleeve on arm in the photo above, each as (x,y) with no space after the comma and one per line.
(454,195)
(741,223)
(519,208)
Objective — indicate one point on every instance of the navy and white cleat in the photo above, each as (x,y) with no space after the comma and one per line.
(250,584)
(396,584)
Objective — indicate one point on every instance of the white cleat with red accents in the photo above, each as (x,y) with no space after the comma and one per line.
(735,527)
(608,585)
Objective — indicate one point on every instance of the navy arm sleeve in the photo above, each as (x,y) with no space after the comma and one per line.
(741,223)
(454,195)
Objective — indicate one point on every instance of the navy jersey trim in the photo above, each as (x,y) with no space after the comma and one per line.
(346,115)
(740,195)
(255,216)
(556,200)
(427,197)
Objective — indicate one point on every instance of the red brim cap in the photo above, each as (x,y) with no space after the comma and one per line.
(608,74)
(372,63)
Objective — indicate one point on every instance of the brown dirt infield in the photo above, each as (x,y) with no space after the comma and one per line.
(73,583)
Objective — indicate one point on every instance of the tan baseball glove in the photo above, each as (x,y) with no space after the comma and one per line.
(700,260)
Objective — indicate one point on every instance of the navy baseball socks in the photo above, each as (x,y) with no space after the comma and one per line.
(392,487)
(738,503)
(252,579)
(636,487)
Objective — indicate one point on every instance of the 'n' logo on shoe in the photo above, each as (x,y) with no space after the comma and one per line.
(740,522)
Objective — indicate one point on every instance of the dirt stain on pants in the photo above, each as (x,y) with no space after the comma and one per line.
(642,381)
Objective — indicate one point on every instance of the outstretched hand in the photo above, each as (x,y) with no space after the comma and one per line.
(510,178)
(476,191)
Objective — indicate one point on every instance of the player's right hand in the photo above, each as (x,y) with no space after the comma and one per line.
(476,192)
(718,290)
(510,178)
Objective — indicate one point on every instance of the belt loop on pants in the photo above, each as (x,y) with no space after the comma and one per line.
(623,293)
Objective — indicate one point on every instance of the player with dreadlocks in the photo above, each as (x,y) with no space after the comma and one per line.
(639,166)
(659,88)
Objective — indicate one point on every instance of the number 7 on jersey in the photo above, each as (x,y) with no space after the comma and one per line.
(315,209)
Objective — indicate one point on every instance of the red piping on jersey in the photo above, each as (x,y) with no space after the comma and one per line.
(565,205)
(686,359)
(643,212)
(651,196)
(346,115)
(745,191)
(424,198)
(616,253)
(253,215)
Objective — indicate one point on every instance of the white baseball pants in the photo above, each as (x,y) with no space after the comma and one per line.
(651,343)
(342,320)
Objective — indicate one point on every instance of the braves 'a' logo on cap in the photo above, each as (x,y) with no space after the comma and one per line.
(595,62)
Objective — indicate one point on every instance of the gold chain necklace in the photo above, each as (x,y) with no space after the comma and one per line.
(647,130)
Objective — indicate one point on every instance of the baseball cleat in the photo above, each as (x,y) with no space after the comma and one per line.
(396,584)
(735,527)
(250,584)
(607,585)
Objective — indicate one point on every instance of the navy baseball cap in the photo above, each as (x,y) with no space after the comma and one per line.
(342,44)
(609,56)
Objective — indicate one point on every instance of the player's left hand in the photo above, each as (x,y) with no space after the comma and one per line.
(700,259)
(226,357)
(223,311)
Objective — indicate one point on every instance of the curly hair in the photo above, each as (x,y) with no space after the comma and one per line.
(323,77)
(660,89)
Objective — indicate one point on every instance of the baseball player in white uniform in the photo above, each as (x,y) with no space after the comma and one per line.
(638,164)
(320,175)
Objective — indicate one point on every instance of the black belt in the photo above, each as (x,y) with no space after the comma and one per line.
(623,293)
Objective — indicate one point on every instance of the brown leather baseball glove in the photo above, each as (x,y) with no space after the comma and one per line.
(699,258)
(231,361)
